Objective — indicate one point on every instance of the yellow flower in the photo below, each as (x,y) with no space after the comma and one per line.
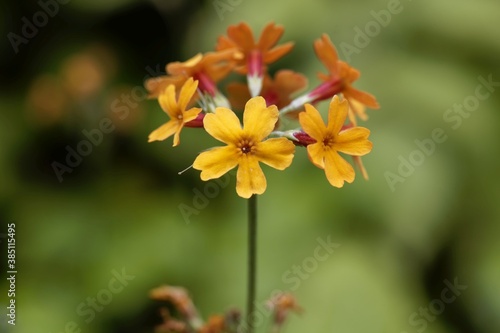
(176,110)
(332,139)
(246,146)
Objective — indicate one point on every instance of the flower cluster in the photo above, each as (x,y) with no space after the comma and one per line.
(265,100)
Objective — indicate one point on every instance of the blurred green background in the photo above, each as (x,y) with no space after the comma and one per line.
(119,208)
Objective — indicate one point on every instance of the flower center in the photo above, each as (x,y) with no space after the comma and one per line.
(328,141)
(245,146)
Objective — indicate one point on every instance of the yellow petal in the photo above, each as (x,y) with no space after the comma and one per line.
(168,104)
(187,92)
(223,125)
(186,67)
(249,179)
(275,152)
(216,162)
(312,123)
(164,131)
(259,120)
(361,96)
(316,153)
(337,169)
(190,114)
(337,113)
(353,141)
(177,134)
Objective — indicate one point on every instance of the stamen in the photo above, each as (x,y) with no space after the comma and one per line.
(181,172)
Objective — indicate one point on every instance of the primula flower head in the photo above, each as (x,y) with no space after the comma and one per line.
(176,110)
(246,146)
(332,139)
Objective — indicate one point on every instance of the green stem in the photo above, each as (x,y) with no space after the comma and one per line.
(252,259)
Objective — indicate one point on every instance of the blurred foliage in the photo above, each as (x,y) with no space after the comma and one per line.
(119,208)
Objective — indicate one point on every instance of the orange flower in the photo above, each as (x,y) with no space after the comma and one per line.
(176,110)
(246,146)
(340,78)
(208,69)
(253,57)
(275,91)
(332,139)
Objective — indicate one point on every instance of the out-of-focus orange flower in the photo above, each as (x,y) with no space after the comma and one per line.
(253,57)
(47,100)
(276,91)
(215,324)
(179,297)
(281,305)
(208,69)
(340,78)
(83,76)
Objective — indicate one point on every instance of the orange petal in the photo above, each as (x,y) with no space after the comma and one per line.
(337,169)
(223,125)
(157,85)
(337,114)
(270,36)
(224,43)
(164,131)
(187,92)
(259,120)
(185,68)
(218,65)
(275,152)
(288,82)
(216,162)
(356,108)
(242,36)
(327,53)
(277,52)
(249,179)
(312,123)
(168,103)
(353,141)
(348,73)
(361,96)
(359,163)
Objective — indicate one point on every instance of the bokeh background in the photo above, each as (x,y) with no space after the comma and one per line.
(119,207)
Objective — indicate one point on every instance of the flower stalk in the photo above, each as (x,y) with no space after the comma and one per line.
(252,261)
